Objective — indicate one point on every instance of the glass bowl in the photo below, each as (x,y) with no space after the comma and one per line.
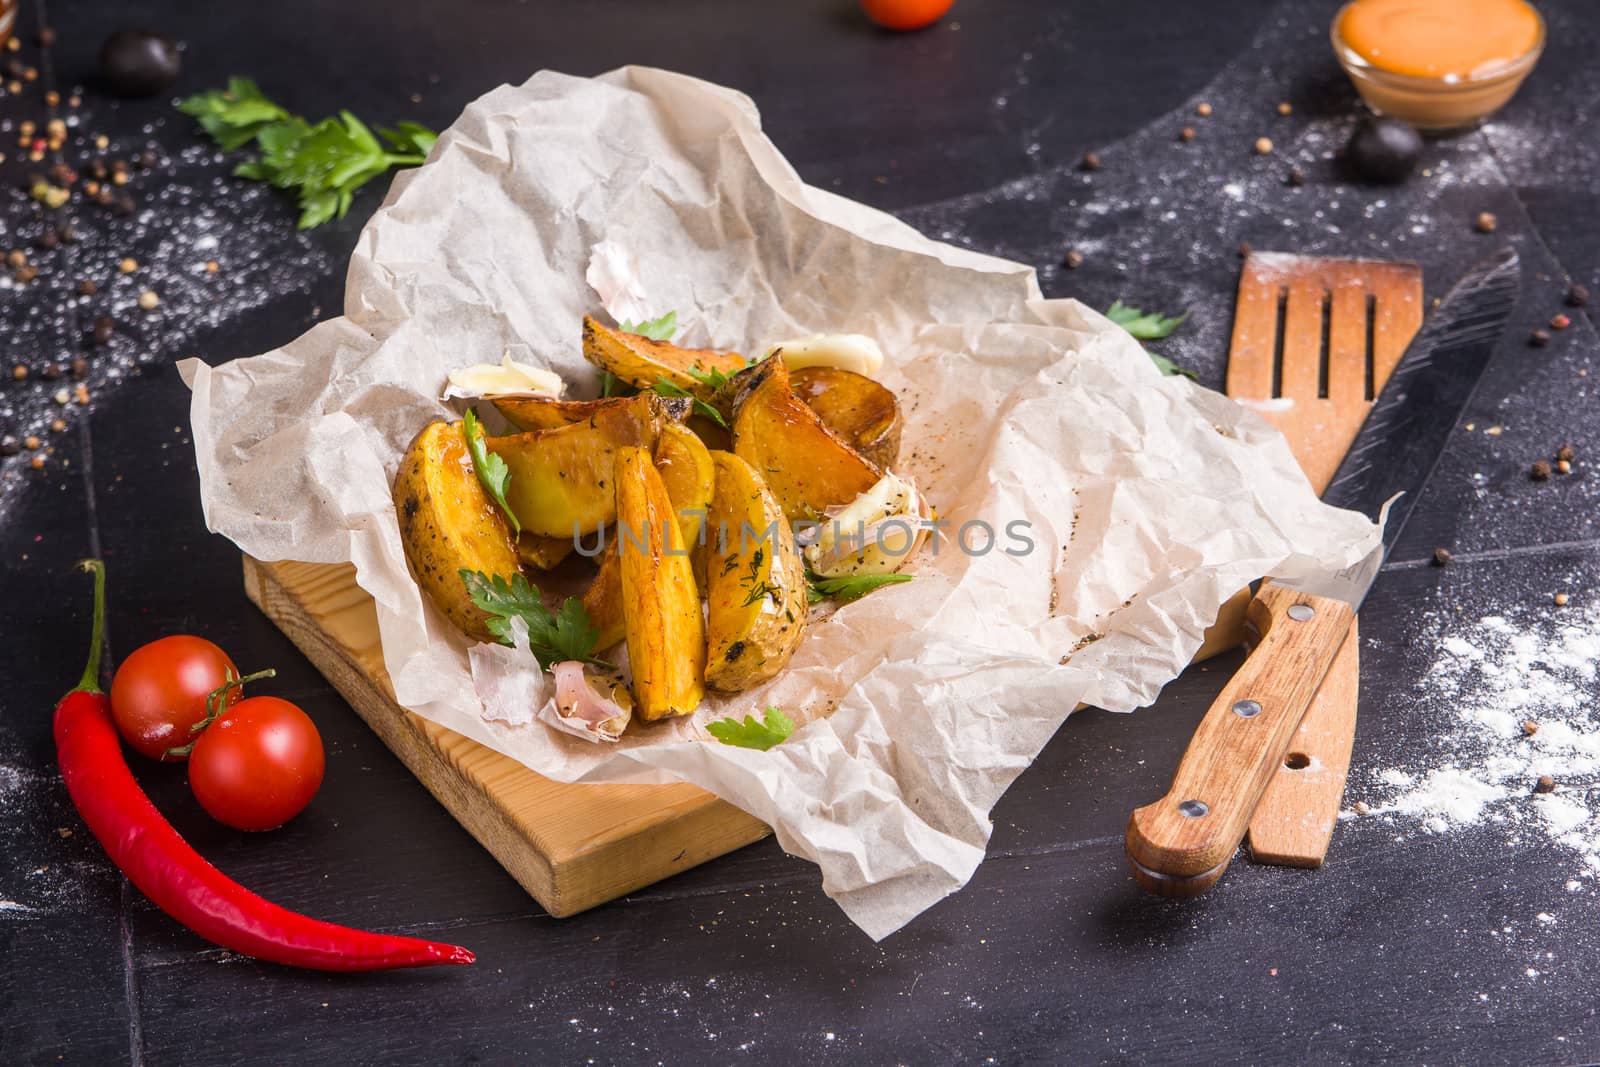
(1450,102)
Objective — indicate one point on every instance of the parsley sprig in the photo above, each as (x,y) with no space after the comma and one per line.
(659,329)
(672,389)
(1149,326)
(850,587)
(326,161)
(774,728)
(555,636)
(493,474)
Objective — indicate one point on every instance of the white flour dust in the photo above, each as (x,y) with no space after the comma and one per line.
(1518,745)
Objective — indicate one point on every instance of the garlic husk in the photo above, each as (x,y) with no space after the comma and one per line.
(847,351)
(506,378)
(594,707)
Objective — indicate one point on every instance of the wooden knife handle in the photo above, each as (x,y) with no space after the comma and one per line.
(1181,844)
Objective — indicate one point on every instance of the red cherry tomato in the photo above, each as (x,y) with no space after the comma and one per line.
(160,691)
(905,14)
(258,766)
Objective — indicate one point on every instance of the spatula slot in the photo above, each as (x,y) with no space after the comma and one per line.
(1280,332)
(1371,389)
(1325,352)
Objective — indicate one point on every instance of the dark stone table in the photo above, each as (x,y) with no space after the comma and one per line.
(1408,946)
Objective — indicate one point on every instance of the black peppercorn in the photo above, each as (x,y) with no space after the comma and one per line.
(104,327)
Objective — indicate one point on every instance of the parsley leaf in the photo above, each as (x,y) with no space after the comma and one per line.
(611,385)
(775,728)
(660,329)
(671,389)
(492,472)
(850,587)
(326,162)
(1150,327)
(554,636)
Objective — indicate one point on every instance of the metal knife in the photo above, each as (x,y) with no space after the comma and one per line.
(1181,844)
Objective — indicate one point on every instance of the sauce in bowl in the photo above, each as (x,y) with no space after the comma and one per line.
(1438,63)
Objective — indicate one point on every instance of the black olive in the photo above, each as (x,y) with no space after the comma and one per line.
(1384,150)
(135,62)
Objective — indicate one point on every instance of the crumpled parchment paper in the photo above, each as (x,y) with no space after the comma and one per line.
(1149,500)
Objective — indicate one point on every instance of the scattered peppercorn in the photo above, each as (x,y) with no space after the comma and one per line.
(9,445)
(32,442)
(48,240)
(1202,109)
(1545,784)
(1090,161)
(16,258)
(128,265)
(1540,471)
(1296,177)
(1263,146)
(212,266)
(147,159)
(1072,260)
(51,372)
(1186,134)
(1563,466)
(1559,322)
(1567,452)
(80,367)
(19,372)
(57,425)
(1442,557)
(37,463)
(47,36)
(88,287)
(1539,338)
(61,396)
(1285,108)
(104,327)
(24,275)
(1577,295)
(1244,249)
(1529,728)
(148,300)
(80,394)
(1485,222)
(1561,600)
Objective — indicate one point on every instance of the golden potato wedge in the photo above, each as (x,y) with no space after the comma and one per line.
(533,413)
(855,407)
(561,479)
(660,604)
(603,599)
(642,362)
(756,581)
(808,467)
(685,468)
(447,522)
(542,552)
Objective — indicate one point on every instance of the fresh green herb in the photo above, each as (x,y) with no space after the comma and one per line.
(660,329)
(1149,327)
(671,389)
(851,587)
(611,385)
(326,162)
(555,636)
(493,474)
(775,728)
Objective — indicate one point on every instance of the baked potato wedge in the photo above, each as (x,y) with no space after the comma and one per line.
(685,467)
(561,479)
(808,467)
(447,522)
(660,603)
(603,599)
(855,407)
(642,362)
(533,413)
(542,552)
(756,593)
(686,471)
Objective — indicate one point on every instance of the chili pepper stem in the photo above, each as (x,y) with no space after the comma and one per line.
(90,682)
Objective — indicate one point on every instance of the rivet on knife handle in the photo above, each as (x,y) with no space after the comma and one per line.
(1181,844)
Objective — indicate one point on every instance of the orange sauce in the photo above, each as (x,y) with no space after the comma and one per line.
(1451,39)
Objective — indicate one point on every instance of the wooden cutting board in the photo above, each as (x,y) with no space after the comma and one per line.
(570,846)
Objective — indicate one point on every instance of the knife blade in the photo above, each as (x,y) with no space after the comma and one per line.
(1181,844)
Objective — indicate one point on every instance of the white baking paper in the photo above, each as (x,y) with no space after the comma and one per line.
(1149,500)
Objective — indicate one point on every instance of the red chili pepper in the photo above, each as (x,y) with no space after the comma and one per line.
(176,877)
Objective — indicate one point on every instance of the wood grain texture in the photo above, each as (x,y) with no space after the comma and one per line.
(571,846)
(1232,756)
(1293,823)
(1331,310)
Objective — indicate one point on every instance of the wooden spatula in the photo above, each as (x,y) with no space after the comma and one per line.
(1314,340)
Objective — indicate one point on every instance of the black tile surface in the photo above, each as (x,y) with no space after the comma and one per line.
(1407,950)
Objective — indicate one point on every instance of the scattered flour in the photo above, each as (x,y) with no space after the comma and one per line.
(1487,680)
